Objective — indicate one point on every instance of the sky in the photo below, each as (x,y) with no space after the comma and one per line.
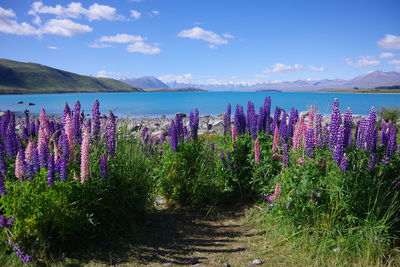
(205,41)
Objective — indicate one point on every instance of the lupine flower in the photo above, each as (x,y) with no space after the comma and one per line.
(20,165)
(63,169)
(272,198)
(76,123)
(229,160)
(3,190)
(261,120)
(186,134)
(344,163)
(67,111)
(85,157)
(300,161)
(110,135)
(32,129)
(283,127)
(179,126)
(35,161)
(391,143)
(293,118)
(21,254)
(161,137)
(334,123)
(96,120)
(227,120)
(3,164)
(257,153)
(174,137)
(276,140)
(103,167)
(194,123)
(311,115)
(339,146)
(234,133)
(11,140)
(275,122)
(276,155)
(88,125)
(348,124)
(310,146)
(50,171)
(145,135)
(297,134)
(240,120)
(285,155)
(318,130)
(372,161)
(384,127)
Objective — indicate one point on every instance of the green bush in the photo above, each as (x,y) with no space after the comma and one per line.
(389,114)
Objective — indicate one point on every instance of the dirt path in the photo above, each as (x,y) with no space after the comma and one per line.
(183,237)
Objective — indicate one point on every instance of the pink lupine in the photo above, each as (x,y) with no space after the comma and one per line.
(276,139)
(257,154)
(29,150)
(85,157)
(297,135)
(43,139)
(20,165)
(56,151)
(234,133)
(311,115)
(272,198)
(69,131)
(300,161)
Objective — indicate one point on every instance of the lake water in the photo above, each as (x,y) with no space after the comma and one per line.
(211,103)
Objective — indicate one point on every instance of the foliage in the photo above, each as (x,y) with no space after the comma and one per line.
(389,114)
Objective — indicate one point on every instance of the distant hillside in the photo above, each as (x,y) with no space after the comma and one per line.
(31,78)
(368,80)
(185,89)
(145,82)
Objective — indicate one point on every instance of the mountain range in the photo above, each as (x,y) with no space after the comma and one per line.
(368,80)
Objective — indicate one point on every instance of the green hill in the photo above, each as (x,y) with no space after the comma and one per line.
(31,78)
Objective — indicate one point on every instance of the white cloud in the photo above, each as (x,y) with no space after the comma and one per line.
(155,12)
(315,68)
(363,61)
(396,63)
(227,35)
(53,47)
(99,45)
(121,38)
(386,55)
(183,78)
(10,25)
(391,42)
(135,14)
(212,46)
(198,33)
(75,10)
(281,68)
(141,47)
(65,27)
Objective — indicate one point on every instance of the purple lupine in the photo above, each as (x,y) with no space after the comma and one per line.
(339,146)
(194,124)
(186,136)
(111,135)
(371,162)
(285,155)
(227,120)
(11,140)
(65,151)
(348,124)
(173,136)
(293,118)
(283,129)
(310,145)
(179,126)
(334,124)
(57,162)
(261,120)
(96,120)
(24,258)
(67,110)
(88,125)
(250,112)
(3,190)
(3,164)
(50,170)
(369,137)
(267,114)
(63,169)
(145,135)
(275,122)
(391,143)
(360,133)
(252,120)
(344,163)
(103,167)
(384,128)
(35,160)
(76,123)
(32,128)
(238,120)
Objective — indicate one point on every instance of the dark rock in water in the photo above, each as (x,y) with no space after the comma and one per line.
(31,104)
(20,102)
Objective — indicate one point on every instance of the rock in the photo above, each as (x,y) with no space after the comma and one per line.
(137,127)
(160,200)
(336,250)
(193,261)
(169,263)
(227,264)
(256,262)
(209,127)
(20,102)
(31,104)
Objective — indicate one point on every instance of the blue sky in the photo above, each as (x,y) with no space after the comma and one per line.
(207,41)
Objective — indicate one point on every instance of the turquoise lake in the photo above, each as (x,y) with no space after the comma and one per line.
(210,103)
